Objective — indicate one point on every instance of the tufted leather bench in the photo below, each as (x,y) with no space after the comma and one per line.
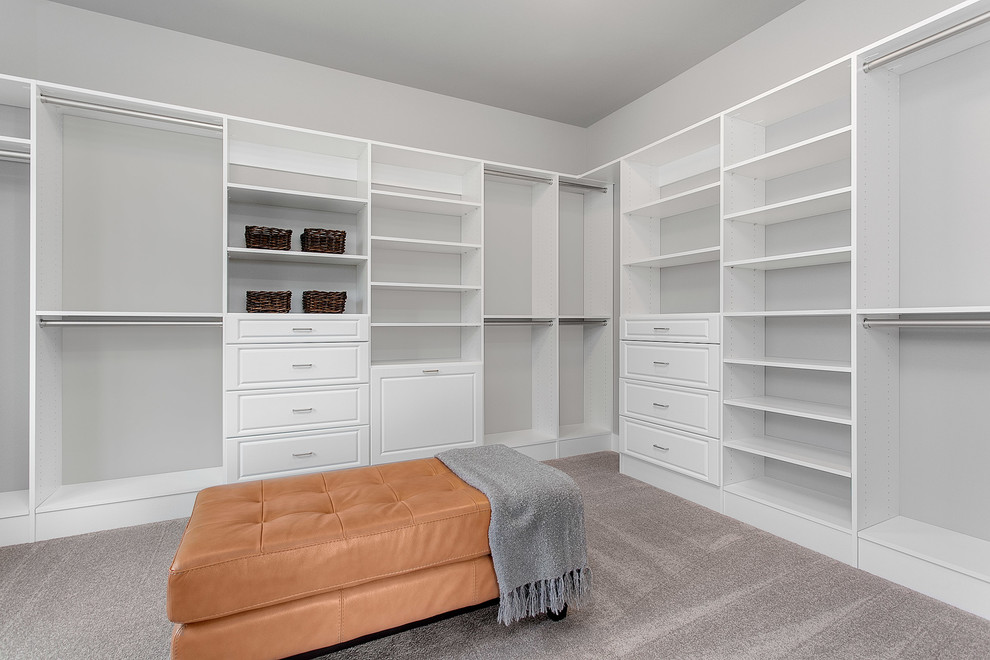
(278,567)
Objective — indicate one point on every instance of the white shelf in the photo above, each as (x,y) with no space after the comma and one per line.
(797,453)
(411,286)
(944,547)
(424,361)
(247,194)
(796,260)
(790,313)
(925,310)
(794,363)
(797,97)
(418,245)
(95,493)
(575,431)
(827,148)
(295,256)
(421,203)
(810,504)
(525,438)
(678,259)
(794,209)
(691,200)
(425,325)
(795,408)
(128,315)
(14,503)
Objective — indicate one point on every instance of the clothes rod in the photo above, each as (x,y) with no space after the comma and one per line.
(926,323)
(586,186)
(546,322)
(14,155)
(927,41)
(523,177)
(83,105)
(584,321)
(46,323)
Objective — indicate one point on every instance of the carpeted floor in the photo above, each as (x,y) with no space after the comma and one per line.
(672,580)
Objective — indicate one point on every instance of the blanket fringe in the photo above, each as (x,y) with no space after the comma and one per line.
(544,595)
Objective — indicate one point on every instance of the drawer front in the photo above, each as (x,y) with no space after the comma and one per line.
(298,328)
(694,456)
(321,451)
(690,410)
(691,365)
(268,411)
(702,328)
(286,366)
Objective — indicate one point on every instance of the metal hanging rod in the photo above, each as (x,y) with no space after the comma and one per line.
(586,186)
(54,323)
(83,105)
(546,322)
(926,323)
(584,321)
(927,41)
(14,155)
(514,175)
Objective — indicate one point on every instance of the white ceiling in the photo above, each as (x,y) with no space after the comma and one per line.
(573,61)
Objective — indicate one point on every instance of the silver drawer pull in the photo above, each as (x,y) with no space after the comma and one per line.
(661,364)
(302,410)
(661,448)
(303,366)
(661,329)
(308,454)
(661,405)
(302,329)
(431,371)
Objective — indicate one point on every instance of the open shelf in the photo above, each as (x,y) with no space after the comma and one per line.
(252,254)
(685,202)
(14,503)
(793,363)
(811,504)
(248,194)
(828,148)
(422,203)
(586,430)
(418,245)
(95,493)
(425,325)
(796,408)
(524,438)
(786,313)
(960,552)
(410,286)
(810,258)
(829,201)
(701,256)
(797,453)
(814,90)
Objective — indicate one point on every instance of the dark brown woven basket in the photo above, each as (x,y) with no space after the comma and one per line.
(323,240)
(267,238)
(324,302)
(269,301)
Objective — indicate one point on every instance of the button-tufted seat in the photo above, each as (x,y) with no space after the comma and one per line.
(253,551)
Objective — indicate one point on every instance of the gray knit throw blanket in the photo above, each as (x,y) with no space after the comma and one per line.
(536,533)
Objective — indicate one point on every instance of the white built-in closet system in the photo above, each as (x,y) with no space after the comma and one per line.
(804,341)
(804,277)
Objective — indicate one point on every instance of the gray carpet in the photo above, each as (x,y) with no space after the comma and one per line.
(672,580)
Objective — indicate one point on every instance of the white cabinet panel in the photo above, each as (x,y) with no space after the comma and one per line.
(282,328)
(691,365)
(424,409)
(695,456)
(277,365)
(690,410)
(693,328)
(271,411)
(305,452)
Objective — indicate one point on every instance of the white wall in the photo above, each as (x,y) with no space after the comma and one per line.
(56,43)
(812,34)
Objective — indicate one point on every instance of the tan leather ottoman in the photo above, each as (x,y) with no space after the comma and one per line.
(273,568)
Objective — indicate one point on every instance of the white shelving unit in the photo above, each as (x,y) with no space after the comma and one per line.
(15,270)
(787,298)
(127,385)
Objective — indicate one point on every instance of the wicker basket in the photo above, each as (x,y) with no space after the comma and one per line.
(269,301)
(323,240)
(324,302)
(267,238)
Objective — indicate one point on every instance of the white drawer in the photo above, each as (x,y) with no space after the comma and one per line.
(294,328)
(308,452)
(279,365)
(690,410)
(271,411)
(688,328)
(691,365)
(695,456)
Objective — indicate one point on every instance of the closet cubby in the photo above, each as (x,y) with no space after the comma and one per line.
(128,396)
(923,347)
(670,224)
(15,300)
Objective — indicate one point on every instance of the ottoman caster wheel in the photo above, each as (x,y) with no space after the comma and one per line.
(557,616)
